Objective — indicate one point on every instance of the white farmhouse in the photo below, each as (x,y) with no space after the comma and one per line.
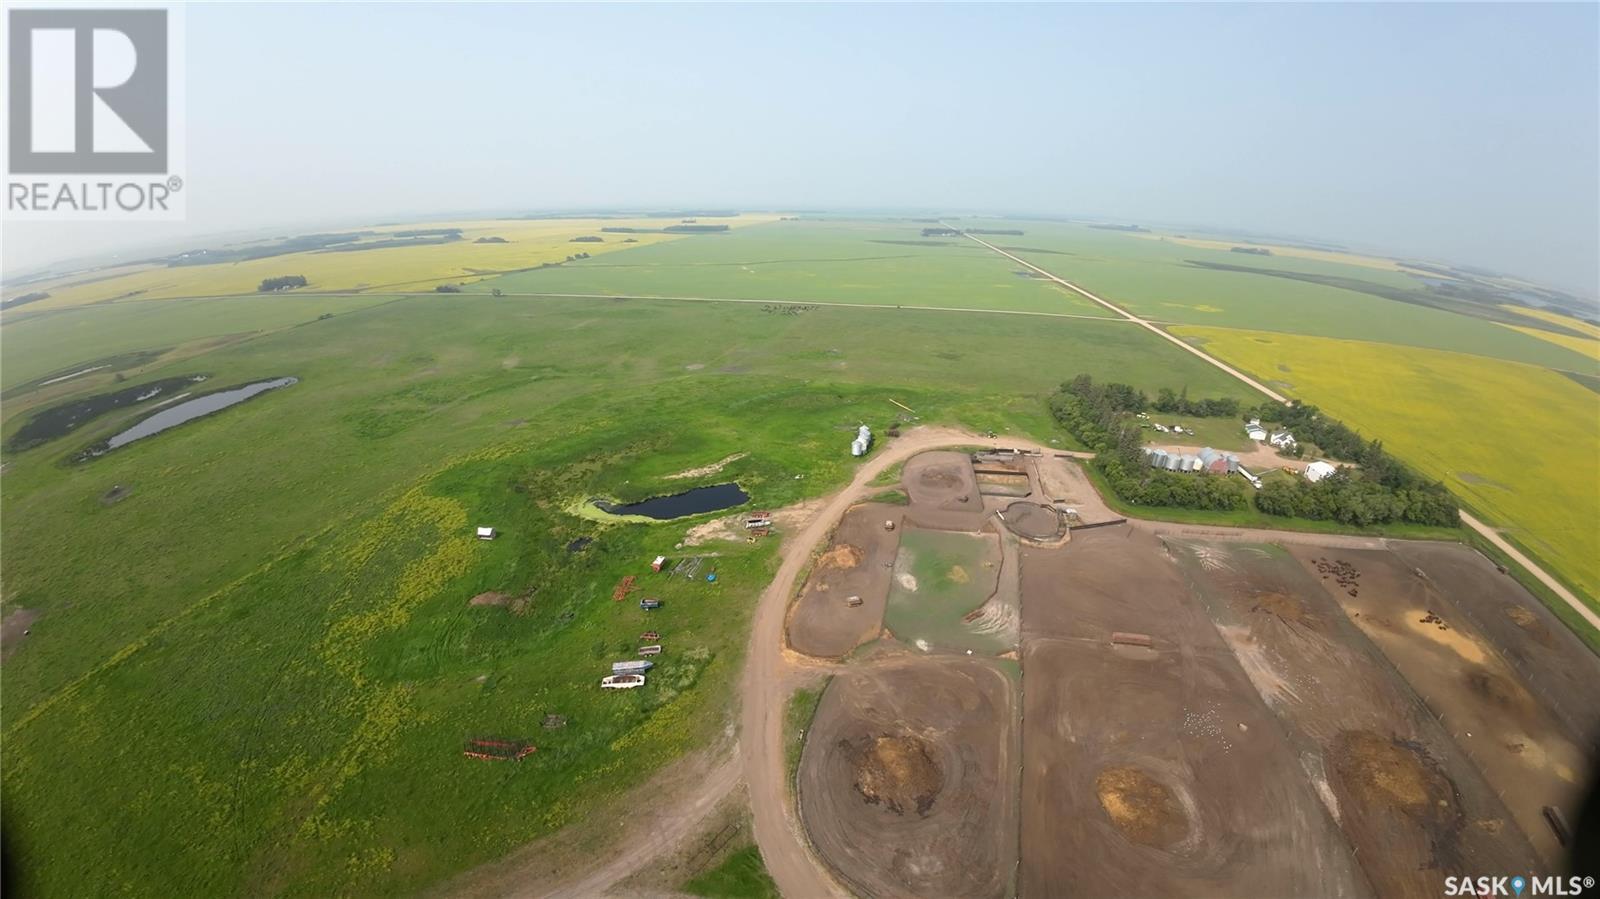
(1283,440)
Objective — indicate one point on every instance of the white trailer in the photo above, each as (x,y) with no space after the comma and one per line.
(622,682)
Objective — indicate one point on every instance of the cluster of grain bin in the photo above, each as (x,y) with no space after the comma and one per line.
(1207,460)
(863,441)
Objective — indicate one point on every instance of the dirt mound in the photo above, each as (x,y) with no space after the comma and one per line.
(1521,616)
(897,772)
(1142,808)
(1282,605)
(958,575)
(1394,774)
(1494,688)
(843,557)
(491,599)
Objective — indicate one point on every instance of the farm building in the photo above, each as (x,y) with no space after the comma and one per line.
(858,447)
(1316,471)
(1282,440)
(1208,460)
(486,533)
(1254,430)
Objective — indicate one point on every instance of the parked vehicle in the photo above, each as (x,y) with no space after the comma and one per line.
(654,650)
(637,666)
(648,604)
(622,682)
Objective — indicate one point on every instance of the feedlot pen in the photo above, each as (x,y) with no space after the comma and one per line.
(1308,717)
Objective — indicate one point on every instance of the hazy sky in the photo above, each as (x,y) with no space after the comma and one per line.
(1464,132)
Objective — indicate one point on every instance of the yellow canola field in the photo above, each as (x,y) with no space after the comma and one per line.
(1277,250)
(1556,318)
(1520,444)
(411,268)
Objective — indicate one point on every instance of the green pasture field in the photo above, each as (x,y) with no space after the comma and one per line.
(1226,433)
(875,263)
(1151,278)
(254,672)
(41,345)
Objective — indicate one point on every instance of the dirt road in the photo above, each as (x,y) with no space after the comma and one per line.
(1139,321)
(659,834)
(1467,519)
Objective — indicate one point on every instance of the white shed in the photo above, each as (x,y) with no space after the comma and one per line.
(1318,470)
(486,533)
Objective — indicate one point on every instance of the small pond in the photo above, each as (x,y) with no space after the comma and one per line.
(694,502)
(184,413)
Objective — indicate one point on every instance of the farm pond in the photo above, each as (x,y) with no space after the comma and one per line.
(183,413)
(713,498)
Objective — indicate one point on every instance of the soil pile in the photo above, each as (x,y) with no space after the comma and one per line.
(843,557)
(1397,775)
(897,772)
(1142,808)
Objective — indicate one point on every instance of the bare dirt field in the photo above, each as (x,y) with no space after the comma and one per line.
(1554,663)
(1154,771)
(1408,799)
(1527,754)
(856,563)
(1203,711)
(1063,483)
(942,481)
(907,785)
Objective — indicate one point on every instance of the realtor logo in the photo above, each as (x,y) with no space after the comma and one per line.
(88,91)
(95,114)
